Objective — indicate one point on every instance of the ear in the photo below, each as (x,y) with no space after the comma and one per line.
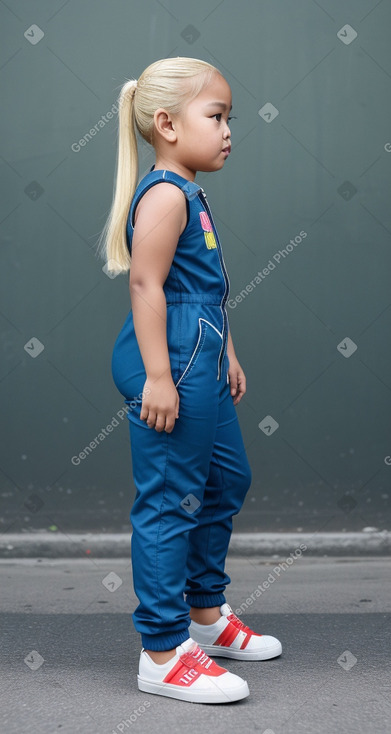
(164,124)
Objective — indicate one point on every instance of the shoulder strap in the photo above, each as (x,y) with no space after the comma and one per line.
(189,188)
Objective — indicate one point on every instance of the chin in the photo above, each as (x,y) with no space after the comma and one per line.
(208,168)
(218,165)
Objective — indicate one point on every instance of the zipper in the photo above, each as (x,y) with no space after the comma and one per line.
(227,284)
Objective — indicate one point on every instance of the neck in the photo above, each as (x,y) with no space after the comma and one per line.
(162,164)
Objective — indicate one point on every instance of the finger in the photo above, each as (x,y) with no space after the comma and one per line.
(233,386)
(241,389)
(243,386)
(151,419)
(171,418)
(160,423)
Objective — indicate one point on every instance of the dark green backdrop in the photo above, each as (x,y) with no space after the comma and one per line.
(302,207)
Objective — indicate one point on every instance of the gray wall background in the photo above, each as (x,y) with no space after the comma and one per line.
(311,86)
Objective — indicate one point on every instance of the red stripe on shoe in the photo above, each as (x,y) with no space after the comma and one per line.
(241,626)
(246,641)
(227,636)
(188,668)
(182,675)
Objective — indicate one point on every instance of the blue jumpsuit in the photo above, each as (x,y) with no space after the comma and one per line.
(190,482)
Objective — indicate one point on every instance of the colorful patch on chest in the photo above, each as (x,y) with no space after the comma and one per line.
(208,231)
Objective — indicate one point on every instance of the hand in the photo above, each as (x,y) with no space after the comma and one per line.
(160,406)
(237,379)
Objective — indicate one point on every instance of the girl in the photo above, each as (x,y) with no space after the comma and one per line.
(175,364)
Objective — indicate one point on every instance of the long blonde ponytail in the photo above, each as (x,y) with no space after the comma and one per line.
(160,85)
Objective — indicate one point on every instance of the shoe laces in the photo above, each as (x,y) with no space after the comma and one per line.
(195,657)
(239,624)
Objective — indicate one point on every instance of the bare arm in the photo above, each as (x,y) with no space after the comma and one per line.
(230,346)
(237,378)
(160,219)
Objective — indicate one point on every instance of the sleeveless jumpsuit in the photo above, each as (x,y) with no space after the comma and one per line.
(190,482)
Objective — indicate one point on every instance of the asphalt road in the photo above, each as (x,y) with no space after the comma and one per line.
(70,652)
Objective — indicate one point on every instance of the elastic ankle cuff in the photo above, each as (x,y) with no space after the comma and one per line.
(159,643)
(205,600)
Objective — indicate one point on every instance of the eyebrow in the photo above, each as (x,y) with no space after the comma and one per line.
(218,104)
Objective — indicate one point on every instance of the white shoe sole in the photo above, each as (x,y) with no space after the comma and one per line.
(228,652)
(186,694)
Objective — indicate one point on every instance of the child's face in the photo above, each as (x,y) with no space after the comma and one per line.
(202,128)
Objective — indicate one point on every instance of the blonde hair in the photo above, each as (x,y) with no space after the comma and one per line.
(160,85)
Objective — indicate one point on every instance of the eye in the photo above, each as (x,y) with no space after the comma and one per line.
(218,114)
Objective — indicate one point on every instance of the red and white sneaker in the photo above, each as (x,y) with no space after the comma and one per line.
(230,638)
(190,676)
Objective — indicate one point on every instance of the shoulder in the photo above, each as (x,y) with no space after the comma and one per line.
(163,199)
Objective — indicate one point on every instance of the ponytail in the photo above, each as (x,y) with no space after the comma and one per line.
(168,83)
(113,236)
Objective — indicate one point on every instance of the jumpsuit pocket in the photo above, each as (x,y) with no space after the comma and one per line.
(182,374)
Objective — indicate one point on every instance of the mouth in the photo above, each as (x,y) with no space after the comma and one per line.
(227,149)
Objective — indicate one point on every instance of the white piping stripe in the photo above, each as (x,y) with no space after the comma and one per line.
(196,346)
(225,277)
